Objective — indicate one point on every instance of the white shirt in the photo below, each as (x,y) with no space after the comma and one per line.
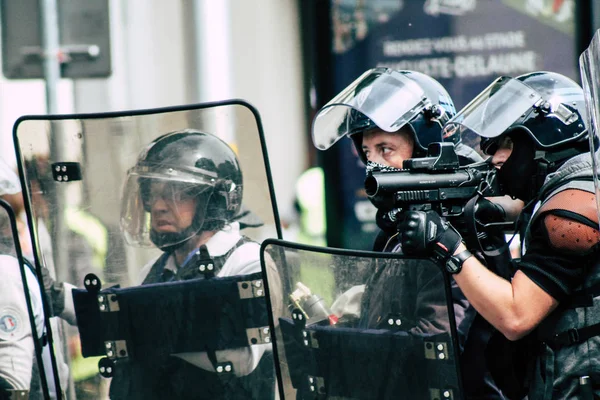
(17,348)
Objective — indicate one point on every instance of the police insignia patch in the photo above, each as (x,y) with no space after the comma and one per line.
(11,325)
(8,323)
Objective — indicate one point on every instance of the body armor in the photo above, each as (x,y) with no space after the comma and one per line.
(570,335)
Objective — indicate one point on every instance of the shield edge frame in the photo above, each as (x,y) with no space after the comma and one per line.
(588,71)
(117,114)
(356,253)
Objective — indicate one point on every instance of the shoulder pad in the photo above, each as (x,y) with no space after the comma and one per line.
(573,200)
(571,234)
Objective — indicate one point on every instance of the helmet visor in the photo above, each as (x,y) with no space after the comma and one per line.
(158,208)
(385,96)
(495,109)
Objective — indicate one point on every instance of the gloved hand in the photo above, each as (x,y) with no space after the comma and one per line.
(487,212)
(426,231)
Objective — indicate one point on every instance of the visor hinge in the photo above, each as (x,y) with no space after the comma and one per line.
(543,107)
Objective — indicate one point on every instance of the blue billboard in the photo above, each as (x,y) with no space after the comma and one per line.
(464,44)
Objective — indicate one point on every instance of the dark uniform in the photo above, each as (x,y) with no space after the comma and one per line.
(413,294)
(562,258)
(534,125)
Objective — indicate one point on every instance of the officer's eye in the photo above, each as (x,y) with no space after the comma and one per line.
(386,150)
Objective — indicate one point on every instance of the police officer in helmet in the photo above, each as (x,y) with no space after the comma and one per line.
(386,146)
(392,116)
(534,126)
(412,109)
(184,196)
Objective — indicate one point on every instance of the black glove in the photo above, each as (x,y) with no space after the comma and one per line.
(425,231)
(487,212)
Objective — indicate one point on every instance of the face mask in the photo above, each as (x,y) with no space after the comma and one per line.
(373,166)
(516,175)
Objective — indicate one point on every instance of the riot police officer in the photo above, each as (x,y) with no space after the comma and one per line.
(534,126)
(184,196)
(407,112)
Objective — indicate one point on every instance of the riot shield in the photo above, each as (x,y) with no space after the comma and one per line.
(22,350)
(360,325)
(589,65)
(155,216)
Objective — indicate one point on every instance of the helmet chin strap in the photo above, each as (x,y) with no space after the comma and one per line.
(171,241)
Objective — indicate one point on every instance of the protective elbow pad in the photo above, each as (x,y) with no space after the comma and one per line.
(571,221)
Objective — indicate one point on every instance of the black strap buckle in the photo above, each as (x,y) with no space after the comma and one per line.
(566,338)
(573,335)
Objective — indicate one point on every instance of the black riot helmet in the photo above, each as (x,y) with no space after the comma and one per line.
(389,100)
(178,166)
(543,114)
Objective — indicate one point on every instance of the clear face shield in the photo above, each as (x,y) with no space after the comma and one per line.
(510,102)
(345,329)
(385,96)
(589,65)
(495,109)
(165,205)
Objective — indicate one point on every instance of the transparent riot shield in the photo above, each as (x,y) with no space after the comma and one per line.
(589,65)
(22,350)
(360,325)
(155,217)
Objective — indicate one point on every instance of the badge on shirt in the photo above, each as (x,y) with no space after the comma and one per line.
(11,324)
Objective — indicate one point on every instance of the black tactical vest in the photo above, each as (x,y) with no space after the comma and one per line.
(569,338)
(179,379)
